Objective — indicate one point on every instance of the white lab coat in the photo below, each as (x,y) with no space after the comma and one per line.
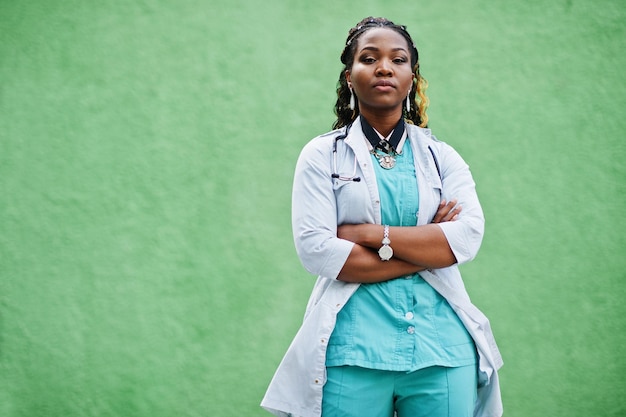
(320,204)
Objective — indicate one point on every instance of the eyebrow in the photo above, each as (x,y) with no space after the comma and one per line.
(373,48)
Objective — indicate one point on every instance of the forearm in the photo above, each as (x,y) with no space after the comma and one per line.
(425,246)
(365,266)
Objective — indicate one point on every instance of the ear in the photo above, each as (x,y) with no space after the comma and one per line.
(348,78)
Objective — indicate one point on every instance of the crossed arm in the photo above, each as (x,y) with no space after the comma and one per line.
(415,248)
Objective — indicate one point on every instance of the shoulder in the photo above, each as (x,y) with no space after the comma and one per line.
(321,144)
(444,155)
(317,152)
(327,137)
(425,137)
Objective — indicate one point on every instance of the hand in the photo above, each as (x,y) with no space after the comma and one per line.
(447,211)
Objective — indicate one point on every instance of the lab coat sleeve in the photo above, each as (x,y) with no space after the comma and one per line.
(464,235)
(314,212)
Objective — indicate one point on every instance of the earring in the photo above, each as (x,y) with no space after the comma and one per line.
(351,99)
(408,102)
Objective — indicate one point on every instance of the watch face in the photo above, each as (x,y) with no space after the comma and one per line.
(385,252)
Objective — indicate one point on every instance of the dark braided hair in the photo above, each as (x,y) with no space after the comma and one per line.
(419,101)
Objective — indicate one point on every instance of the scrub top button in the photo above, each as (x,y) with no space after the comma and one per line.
(408,316)
(410,330)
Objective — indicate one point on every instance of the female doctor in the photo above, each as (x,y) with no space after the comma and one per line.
(384,213)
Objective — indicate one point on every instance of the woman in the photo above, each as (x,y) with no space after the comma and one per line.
(383,213)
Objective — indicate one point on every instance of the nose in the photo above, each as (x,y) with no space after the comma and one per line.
(384,68)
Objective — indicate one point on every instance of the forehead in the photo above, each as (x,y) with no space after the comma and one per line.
(382,38)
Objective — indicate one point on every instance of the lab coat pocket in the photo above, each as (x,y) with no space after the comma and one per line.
(352,201)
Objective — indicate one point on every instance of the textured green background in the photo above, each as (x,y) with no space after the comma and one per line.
(146,155)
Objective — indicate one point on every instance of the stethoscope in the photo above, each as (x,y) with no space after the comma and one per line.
(353,177)
(335,175)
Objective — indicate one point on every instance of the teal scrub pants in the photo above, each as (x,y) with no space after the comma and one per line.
(351,391)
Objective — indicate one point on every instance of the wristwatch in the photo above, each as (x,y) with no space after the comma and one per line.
(385,252)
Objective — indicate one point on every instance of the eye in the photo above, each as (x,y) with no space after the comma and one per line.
(367,59)
(400,60)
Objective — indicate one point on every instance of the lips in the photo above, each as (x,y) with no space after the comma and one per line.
(384,84)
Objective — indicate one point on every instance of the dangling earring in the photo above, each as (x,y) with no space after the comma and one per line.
(408,102)
(351,99)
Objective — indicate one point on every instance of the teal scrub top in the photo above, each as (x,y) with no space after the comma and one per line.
(402,324)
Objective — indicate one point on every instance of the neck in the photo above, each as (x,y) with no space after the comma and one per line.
(383,122)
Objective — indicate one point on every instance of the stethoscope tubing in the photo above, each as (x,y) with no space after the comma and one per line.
(336,175)
(353,177)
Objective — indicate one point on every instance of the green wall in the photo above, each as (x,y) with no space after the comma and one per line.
(146,155)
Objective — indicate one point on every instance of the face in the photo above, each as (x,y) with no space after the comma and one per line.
(381,74)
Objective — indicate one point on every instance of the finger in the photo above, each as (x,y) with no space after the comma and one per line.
(449,208)
(452,211)
(454,214)
(443,211)
(439,214)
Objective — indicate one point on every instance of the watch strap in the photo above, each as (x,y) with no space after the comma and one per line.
(385,252)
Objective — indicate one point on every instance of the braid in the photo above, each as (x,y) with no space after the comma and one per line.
(419,101)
